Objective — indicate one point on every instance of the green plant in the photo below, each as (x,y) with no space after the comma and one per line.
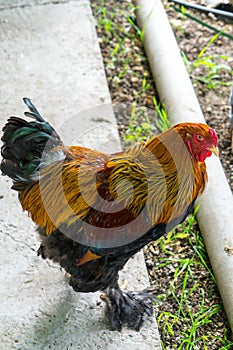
(139,32)
(209,69)
(162,121)
(139,131)
(144,122)
(185,287)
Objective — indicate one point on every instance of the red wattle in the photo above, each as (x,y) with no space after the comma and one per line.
(203,155)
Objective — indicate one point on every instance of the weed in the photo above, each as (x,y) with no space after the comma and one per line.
(209,69)
(184,288)
(139,32)
(145,122)
(162,121)
(139,131)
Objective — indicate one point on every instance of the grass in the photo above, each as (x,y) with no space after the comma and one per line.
(189,305)
(193,307)
(113,30)
(154,121)
(209,69)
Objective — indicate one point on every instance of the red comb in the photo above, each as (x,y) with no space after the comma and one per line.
(213,136)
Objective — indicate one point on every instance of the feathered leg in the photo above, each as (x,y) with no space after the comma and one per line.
(131,308)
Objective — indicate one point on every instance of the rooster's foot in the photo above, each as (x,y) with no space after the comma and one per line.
(131,308)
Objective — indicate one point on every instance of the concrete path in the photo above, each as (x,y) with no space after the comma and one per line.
(49,52)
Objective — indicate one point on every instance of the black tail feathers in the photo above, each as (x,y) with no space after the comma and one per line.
(25,144)
(33,111)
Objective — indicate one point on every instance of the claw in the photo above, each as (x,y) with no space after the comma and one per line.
(67,276)
(104,297)
(124,284)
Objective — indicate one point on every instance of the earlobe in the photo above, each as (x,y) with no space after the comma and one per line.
(188,135)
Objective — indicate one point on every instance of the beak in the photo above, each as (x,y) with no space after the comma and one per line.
(215,150)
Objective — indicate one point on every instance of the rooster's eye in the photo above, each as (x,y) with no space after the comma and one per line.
(200,138)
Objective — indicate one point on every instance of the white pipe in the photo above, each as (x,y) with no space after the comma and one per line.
(176,91)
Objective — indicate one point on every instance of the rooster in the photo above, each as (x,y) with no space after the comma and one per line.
(94,211)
